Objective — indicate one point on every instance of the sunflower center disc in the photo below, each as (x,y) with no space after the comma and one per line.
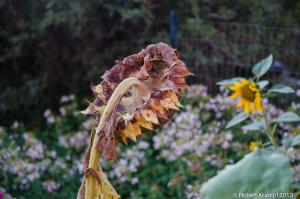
(248,93)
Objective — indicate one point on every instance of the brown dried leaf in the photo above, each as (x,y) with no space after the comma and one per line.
(107,143)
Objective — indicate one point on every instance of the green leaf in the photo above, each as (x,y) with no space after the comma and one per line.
(291,141)
(262,84)
(227,82)
(263,66)
(296,186)
(237,119)
(280,88)
(257,172)
(271,95)
(256,126)
(288,117)
(287,142)
(296,140)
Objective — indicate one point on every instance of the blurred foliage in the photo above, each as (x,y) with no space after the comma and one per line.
(55,47)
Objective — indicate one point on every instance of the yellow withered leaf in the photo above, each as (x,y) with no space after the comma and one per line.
(108,191)
(149,116)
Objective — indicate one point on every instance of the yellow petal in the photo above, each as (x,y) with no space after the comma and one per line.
(234,95)
(174,98)
(124,135)
(254,107)
(258,105)
(233,87)
(136,129)
(145,124)
(244,82)
(247,107)
(158,109)
(132,131)
(240,104)
(260,108)
(168,103)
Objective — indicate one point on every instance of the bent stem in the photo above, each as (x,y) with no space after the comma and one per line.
(122,88)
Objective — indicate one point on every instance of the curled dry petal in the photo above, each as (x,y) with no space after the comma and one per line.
(162,72)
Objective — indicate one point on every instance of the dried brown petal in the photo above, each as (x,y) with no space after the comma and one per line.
(179,71)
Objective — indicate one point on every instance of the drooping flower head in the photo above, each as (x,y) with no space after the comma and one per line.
(162,74)
(248,94)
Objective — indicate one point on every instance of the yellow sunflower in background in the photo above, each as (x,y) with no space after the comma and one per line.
(253,145)
(249,95)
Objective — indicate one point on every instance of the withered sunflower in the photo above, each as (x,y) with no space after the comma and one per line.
(140,92)
(248,94)
(147,104)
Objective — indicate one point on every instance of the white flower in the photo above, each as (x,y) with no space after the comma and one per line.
(51,120)
(50,186)
(134,180)
(15,125)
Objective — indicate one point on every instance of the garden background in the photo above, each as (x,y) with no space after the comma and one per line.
(52,51)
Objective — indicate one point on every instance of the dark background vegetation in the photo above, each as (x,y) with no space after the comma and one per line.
(54,47)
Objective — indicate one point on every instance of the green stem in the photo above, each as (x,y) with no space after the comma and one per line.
(270,130)
(91,184)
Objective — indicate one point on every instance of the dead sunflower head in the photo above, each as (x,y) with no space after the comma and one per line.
(145,106)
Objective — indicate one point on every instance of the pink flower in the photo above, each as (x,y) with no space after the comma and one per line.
(62,111)
(47,113)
